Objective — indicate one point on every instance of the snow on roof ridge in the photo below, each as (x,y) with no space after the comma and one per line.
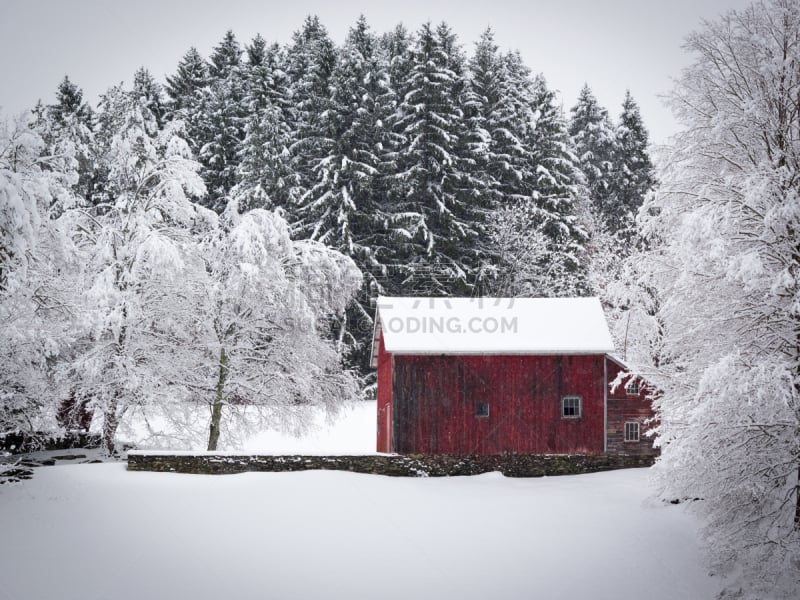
(490,325)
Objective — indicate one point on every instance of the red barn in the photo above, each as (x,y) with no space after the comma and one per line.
(503,375)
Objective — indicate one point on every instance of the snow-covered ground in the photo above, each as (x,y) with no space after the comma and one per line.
(96,531)
(353,432)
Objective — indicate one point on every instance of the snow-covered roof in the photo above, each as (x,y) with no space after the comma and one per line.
(491,326)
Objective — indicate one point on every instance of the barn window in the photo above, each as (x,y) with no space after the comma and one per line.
(632,388)
(482,409)
(631,432)
(571,407)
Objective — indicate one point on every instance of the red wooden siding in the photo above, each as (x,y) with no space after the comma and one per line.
(626,408)
(433,399)
(384,399)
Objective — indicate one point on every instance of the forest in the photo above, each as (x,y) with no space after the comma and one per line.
(393,164)
(218,241)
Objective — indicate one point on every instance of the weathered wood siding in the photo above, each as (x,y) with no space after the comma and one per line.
(384,399)
(434,402)
(626,408)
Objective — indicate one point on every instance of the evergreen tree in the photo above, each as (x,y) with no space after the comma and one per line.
(484,113)
(152,94)
(499,117)
(222,121)
(634,171)
(342,209)
(191,77)
(184,91)
(265,174)
(67,129)
(310,63)
(431,186)
(397,47)
(342,189)
(265,81)
(69,103)
(593,136)
(541,237)
(559,190)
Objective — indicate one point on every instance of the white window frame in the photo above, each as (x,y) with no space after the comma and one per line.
(477,410)
(634,427)
(632,388)
(579,407)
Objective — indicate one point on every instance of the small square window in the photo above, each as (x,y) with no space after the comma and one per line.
(632,388)
(482,409)
(631,432)
(571,407)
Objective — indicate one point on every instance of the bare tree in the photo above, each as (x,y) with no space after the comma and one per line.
(254,350)
(727,273)
(130,246)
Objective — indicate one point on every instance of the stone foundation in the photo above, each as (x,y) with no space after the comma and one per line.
(511,465)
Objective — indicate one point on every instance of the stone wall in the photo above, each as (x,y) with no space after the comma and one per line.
(512,465)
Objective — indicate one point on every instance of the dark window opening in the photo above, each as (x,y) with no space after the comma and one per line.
(571,407)
(631,432)
(632,388)
(482,409)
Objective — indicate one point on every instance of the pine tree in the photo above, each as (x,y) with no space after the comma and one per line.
(559,190)
(221,121)
(391,242)
(499,117)
(342,188)
(397,47)
(541,235)
(191,77)
(67,129)
(431,185)
(485,113)
(69,102)
(265,174)
(184,91)
(342,208)
(634,174)
(265,81)
(310,63)
(146,87)
(593,136)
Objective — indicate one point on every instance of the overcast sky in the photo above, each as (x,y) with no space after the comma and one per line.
(609,44)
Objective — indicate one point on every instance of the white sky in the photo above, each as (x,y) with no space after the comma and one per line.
(610,44)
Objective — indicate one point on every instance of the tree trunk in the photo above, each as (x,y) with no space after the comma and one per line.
(216,409)
(797,399)
(110,424)
(795,271)
(797,501)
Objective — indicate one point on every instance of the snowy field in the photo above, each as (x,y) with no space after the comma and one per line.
(98,532)
(353,432)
